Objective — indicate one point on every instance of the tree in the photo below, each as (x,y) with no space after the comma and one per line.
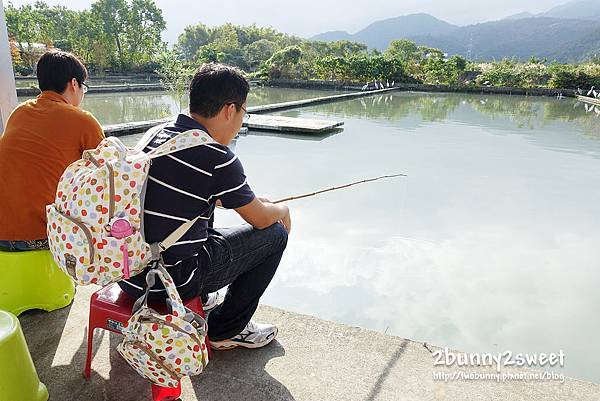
(250,34)
(53,23)
(280,64)
(331,68)
(145,25)
(259,51)
(21,26)
(225,39)
(131,31)
(440,71)
(175,75)
(113,16)
(404,50)
(209,54)
(192,38)
(345,48)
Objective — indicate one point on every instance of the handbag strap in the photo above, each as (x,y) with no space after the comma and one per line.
(173,301)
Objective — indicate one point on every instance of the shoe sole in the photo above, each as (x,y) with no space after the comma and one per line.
(227,344)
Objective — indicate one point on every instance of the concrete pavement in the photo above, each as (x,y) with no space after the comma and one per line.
(312,360)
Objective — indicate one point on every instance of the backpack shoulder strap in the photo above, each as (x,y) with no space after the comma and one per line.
(185,140)
(172,238)
(148,136)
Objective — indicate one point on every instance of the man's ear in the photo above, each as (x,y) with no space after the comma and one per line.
(73,83)
(229,110)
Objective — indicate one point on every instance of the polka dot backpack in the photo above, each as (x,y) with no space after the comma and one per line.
(164,348)
(95,227)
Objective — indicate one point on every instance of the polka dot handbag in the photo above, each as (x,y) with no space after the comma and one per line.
(94,225)
(164,348)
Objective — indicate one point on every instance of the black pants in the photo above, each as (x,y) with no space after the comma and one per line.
(30,245)
(245,259)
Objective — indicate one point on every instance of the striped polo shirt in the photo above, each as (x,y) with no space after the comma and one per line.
(180,187)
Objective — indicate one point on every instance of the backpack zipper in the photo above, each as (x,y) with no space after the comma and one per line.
(143,348)
(111,182)
(85,230)
(171,325)
(153,319)
(111,189)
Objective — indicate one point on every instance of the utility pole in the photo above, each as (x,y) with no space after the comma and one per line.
(8,92)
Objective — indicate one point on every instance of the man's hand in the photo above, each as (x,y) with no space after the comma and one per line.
(286,221)
(262,214)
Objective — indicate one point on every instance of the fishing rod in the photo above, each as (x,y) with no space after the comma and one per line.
(338,187)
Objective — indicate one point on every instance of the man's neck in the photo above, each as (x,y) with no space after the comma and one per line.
(213,128)
(70,97)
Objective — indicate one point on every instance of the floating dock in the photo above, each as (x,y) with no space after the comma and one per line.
(590,100)
(315,100)
(290,124)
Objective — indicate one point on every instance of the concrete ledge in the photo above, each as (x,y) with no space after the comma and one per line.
(133,127)
(311,360)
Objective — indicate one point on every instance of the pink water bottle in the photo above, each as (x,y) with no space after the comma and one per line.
(121,228)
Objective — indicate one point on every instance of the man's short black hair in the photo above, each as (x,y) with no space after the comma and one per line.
(215,85)
(57,68)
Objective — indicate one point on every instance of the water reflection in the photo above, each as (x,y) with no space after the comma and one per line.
(109,108)
(507,114)
(317,136)
(523,112)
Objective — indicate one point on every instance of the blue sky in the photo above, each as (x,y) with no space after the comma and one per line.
(309,17)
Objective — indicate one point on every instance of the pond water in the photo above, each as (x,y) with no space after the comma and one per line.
(489,244)
(115,108)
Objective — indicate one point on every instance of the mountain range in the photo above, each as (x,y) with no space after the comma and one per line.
(567,33)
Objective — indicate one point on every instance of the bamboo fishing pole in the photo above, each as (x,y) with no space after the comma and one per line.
(339,187)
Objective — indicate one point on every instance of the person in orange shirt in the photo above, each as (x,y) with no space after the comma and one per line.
(42,137)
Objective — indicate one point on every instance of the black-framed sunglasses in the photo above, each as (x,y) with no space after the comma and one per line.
(246,115)
(85,87)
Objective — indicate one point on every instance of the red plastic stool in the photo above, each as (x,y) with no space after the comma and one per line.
(166,393)
(110,308)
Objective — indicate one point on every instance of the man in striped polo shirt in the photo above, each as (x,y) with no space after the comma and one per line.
(191,183)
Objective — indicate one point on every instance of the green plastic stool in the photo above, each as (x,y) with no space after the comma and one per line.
(19,380)
(31,280)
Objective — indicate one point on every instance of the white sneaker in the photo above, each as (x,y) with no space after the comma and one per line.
(214,299)
(254,335)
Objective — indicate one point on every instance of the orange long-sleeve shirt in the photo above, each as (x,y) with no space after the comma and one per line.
(42,137)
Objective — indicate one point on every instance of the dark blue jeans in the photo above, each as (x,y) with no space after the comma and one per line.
(245,259)
(16,246)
